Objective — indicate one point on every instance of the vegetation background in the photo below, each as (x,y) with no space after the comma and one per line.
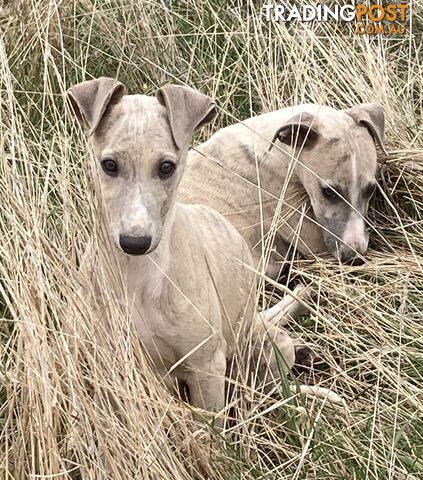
(75,403)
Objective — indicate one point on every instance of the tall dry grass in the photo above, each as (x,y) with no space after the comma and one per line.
(78,403)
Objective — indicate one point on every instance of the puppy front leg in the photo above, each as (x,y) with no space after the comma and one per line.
(289,307)
(206,384)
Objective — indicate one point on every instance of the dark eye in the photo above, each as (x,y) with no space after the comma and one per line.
(329,193)
(110,167)
(166,169)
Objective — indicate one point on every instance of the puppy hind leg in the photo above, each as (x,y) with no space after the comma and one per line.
(282,351)
(273,354)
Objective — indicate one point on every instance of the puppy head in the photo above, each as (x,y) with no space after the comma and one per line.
(337,168)
(140,144)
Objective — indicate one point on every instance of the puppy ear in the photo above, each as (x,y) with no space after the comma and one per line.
(90,99)
(371,116)
(299,132)
(187,110)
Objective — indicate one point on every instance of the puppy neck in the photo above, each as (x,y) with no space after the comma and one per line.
(148,273)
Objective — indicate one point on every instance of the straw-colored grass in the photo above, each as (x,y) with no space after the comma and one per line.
(76,402)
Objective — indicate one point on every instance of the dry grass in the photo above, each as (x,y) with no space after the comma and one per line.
(75,403)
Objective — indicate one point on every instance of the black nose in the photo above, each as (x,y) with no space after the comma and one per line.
(134,245)
(352,260)
(357,261)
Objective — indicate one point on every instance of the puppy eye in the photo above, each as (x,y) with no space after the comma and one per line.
(110,167)
(329,193)
(166,169)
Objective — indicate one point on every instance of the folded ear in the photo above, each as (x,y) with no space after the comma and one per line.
(299,132)
(371,116)
(187,110)
(90,99)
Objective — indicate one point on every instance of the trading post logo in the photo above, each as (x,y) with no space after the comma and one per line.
(370,19)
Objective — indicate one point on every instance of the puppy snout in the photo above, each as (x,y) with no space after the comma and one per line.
(355,243)
(135,245)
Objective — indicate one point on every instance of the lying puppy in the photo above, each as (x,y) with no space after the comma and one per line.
(183,266)
(308,155)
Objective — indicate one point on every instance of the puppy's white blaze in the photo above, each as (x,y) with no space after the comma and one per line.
(354,191)
(355,233)
(138,219)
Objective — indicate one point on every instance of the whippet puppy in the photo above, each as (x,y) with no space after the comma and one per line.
(313,166)
(184,266)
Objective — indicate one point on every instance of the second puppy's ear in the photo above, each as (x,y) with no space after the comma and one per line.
(299,132)
(90,99)
(371,116)
(187,110)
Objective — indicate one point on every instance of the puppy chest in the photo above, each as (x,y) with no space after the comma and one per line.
(157,336)
(169,334)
